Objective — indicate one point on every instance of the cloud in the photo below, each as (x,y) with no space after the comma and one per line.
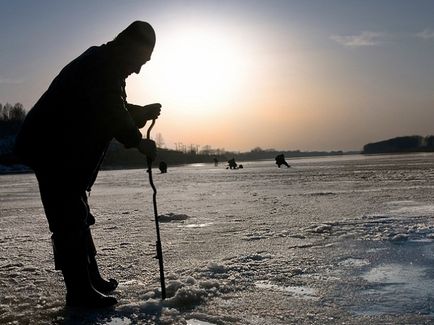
(426,34)
(365,38)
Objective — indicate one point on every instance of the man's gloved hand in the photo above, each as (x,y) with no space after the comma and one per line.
(148,148)
(152,111)
(141,114)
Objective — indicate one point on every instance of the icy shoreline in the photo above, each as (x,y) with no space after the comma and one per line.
(327,241)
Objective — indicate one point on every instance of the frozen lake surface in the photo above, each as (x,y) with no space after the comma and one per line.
(328,241)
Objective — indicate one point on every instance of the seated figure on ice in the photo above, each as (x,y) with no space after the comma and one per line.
(232,164)
(64,139)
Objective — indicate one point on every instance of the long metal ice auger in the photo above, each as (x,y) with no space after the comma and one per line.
(157,226)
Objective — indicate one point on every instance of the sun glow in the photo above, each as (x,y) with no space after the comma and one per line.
(197,70)
(204,75)
(201,69)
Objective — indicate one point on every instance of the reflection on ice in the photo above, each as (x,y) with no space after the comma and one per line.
(197,225)
(394,274)
(401,286)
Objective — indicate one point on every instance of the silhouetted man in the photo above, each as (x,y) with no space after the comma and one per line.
(64,138)
(162,166)
(280,160)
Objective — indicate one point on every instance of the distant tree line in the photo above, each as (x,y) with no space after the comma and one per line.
(11,117)
(414,143)
(117,156)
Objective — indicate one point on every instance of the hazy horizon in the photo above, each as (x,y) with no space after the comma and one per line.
(289,75)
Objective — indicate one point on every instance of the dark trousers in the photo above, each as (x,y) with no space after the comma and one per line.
(65,203)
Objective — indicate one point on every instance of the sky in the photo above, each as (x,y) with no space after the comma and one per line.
(240,74)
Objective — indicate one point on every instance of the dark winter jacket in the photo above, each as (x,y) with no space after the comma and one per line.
(71,125)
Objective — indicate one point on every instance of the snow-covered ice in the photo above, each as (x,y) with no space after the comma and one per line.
(330,240)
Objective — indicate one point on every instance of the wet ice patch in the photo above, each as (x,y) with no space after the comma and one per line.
(197,225)
(299,292)
(415,210)
(402,286)
(410,208)
(169,217)
(377,227)
(393,274)
(397,288)
(422,240)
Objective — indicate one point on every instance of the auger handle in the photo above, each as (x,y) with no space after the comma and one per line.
(157,225)
(148,133)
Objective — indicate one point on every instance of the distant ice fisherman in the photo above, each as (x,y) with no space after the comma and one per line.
(233,165)
(280,160)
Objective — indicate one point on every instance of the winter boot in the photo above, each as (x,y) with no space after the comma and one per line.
(80,292)
(99,283)
(72,259)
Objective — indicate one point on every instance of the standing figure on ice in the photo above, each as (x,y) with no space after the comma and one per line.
(280,160)
(162,166)
(64,138)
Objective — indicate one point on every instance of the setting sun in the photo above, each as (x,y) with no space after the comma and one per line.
(207,68)
(197,70)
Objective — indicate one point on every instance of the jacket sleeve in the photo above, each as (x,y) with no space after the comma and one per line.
(112,116)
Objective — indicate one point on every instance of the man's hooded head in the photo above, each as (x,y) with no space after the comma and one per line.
(135,45)
(138,33)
